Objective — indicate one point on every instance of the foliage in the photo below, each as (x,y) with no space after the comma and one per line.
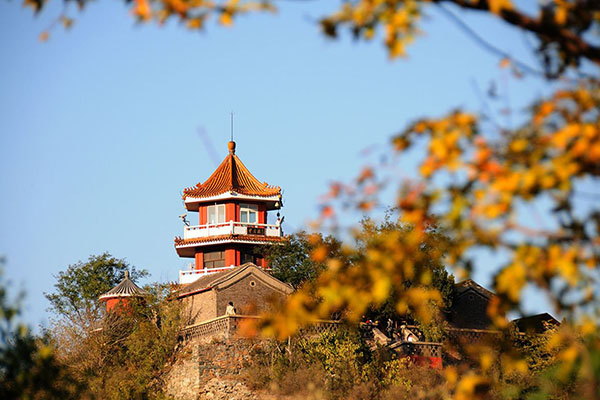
(122,353)
(77,289)
(479,182)
(562,27)
(339,354)
(338,365)
(440,279)
(291,261)
(29,368)
(136,345)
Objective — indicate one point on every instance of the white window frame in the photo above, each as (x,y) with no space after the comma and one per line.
(247,210)
(218,214)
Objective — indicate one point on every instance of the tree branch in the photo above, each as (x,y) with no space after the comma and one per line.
(548,31)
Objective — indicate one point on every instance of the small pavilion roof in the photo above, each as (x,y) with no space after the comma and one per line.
(231,176)
(127,288)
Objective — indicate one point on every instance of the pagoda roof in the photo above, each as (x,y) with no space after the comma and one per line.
(231,176)
(127,288)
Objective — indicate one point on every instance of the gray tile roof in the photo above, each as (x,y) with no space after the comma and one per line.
(126,288)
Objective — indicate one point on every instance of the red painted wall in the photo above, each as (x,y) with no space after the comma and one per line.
(431,362)
(112,303)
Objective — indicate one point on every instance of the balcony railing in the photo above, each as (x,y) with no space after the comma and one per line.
(231,228)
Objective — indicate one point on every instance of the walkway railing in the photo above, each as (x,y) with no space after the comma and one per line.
(227,326)
(471,335)
(423,349)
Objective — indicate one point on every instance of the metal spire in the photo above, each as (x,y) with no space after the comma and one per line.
(232,126)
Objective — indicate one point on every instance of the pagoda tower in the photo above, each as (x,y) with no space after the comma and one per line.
(232,207)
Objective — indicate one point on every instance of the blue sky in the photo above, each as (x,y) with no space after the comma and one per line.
(99,125)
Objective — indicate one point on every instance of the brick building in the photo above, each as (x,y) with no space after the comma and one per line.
(469,306)
(248,287)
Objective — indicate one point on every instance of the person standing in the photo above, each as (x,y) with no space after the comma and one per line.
(390,328)
(230,310)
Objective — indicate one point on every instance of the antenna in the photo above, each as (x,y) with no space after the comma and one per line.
(232,126)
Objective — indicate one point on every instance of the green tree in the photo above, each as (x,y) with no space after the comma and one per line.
(29,368)
(291,261)
(75,298)
(116,355)
(135,346)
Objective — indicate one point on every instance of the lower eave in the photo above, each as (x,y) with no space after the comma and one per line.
(183,246)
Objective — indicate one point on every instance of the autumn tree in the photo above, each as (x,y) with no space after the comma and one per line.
(475,179)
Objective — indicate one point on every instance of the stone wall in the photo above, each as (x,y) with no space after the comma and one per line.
(182,380)
(203,368)
(200,307)
(250,296)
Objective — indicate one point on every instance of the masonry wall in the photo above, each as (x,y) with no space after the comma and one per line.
(250,296)
(199,365)
(182,381)
(469,310)
(200,307)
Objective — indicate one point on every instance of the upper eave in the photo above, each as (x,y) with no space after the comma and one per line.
(193,203)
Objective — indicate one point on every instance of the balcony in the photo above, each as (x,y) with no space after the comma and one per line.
(231,228)
(191,275)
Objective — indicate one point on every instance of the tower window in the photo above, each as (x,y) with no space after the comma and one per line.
(214,259)
(248,213)
(247,257)
(216,214)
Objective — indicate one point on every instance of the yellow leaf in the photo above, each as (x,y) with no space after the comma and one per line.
(496,6)
(518,145)
(66,22)
(226,19)
(560,15)
(505,63)
(511,280)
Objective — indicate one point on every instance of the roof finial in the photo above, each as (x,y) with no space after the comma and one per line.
(126,274)
(231,143)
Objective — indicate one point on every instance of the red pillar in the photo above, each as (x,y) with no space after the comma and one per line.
(202,215)
(230,212)
(230,257)
(199,260)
